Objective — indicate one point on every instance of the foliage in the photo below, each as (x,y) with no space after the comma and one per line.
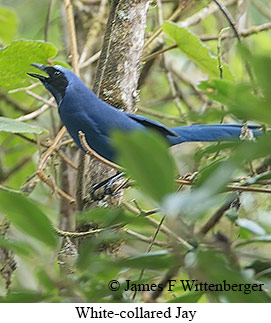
(195,50)
(16,58)
(160,229)
(13,126)
(9,24)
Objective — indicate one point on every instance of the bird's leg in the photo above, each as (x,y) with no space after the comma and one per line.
(107,183)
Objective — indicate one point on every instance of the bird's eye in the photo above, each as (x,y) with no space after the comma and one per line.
(56,73)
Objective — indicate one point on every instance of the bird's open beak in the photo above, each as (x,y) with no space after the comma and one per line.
(38,76)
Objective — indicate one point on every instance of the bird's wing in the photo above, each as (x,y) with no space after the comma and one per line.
(152,124)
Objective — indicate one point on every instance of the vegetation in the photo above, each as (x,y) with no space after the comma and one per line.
(199,211)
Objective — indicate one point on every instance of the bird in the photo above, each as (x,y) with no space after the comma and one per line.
(81,110)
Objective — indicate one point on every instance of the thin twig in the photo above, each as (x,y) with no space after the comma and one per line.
(261,6)
(228,16)
(163,228)
(15,168)
(48,18)
(204,13)
(52,148)
(218,214)
(219,54)
(90,151)
(34,114)
(171,82)
(159,52)
(72,34)
(160,115)
(232,23)
(141,237)
(93,31)
(40,172)
(90,60)
(232,187)
(83,234)
(56,189)
(32,141)
(220,67)
(66,159)
(175,14)
(228,188)
(172,272)
(150,248)
(40,98)
(16,105)
(22,89)
(244,33)
(79,181)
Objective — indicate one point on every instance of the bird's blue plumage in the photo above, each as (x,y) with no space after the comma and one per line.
(81,109)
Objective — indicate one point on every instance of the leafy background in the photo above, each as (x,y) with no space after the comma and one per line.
(161,228)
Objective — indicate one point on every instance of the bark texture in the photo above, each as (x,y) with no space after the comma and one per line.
(118,70)
(118,73)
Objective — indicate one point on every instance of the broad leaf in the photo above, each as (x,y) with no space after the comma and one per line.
(195,50)
(151,260)
(27,216)
(14,126)
(20,248)
(260,239)
(23,296)
(15,60)
(251,226)
(145,156)
(215,267)
(239,98)
(8,24)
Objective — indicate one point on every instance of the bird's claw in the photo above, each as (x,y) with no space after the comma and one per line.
(107,184)
(92,191)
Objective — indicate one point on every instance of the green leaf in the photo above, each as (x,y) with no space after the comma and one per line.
(191,205)
(145,156)
(46,280)
(208,176)
(261,239)
(106,217)
(215,148)
(257,178)
(151,260)
(23,296)
(191,297)
(195,50)
(14,126)
(20,248)
(15,60)
(261,66)
(251,226)
(25,214)
(8,24)
(216,267)
(250,150)
(239,98)
(193,7)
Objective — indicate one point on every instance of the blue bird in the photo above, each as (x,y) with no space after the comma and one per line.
(81,109)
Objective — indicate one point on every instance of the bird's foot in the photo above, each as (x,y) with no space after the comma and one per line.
(108,187)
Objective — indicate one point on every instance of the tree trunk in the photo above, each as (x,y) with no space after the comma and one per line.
(117,74)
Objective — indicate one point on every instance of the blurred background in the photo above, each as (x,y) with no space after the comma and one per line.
(168,92)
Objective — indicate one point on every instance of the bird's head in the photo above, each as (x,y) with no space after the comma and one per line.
(56,81)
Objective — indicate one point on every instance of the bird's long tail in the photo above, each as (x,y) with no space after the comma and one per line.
(216,132)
